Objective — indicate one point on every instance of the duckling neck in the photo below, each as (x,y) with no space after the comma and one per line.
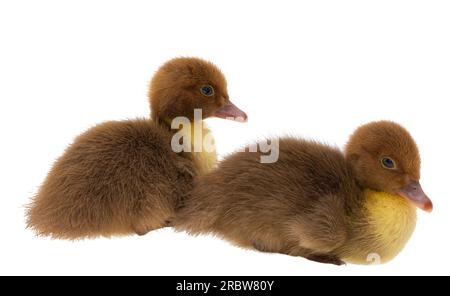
(197,143)
(386,224)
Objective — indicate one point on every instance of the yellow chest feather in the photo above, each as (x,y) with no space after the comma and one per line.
(203,151)
(391,220)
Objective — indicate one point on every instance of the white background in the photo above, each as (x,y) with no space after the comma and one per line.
(316,69)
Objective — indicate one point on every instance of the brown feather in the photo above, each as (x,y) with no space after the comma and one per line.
(309,203)
(122,177)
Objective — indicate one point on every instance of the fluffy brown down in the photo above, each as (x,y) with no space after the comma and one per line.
(122,177)
(308,203)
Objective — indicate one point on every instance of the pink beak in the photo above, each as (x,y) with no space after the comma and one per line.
(231,112)
(413,192)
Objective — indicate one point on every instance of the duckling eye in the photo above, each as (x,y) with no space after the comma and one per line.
(388,163)
(207,90)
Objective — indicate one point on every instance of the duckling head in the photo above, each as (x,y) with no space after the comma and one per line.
(385,158)
(182,85)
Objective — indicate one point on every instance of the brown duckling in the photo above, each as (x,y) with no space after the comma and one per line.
(315,201)
(123,177)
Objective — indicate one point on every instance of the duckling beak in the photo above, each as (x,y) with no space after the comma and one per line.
(413,191)
(231,112)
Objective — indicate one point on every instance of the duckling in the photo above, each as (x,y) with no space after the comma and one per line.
(356,206)
(123,177)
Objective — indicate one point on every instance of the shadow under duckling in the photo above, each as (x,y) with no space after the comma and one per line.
(123,177)
(315,201)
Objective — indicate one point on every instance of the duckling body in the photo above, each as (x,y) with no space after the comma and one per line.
(312,202)
(124,177)
(119,177)
(298,205)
